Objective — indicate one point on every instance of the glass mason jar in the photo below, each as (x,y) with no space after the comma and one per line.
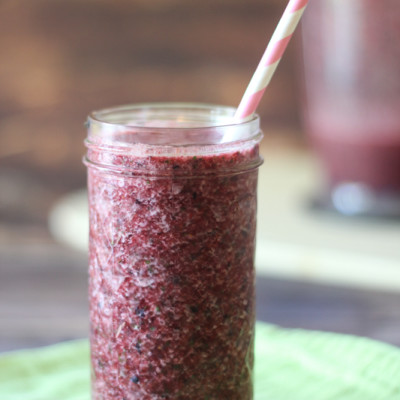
(352,93)
(172,199)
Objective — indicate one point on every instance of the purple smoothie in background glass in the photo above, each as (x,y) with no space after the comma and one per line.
(172,195)
(352,96)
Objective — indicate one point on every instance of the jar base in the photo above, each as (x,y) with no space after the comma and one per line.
(358,199)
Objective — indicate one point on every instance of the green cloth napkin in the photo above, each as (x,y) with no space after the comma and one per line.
(290,365)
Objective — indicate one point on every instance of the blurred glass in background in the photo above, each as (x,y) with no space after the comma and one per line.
(352,92)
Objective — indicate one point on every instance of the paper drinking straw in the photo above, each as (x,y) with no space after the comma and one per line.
(270,60)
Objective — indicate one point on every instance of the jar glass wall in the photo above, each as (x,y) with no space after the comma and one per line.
(172,195)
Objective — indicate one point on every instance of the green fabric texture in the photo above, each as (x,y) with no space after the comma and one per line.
(290,365)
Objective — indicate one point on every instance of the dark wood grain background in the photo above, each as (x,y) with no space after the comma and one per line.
(61,59)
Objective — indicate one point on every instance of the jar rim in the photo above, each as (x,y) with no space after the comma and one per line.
(96,115)
(170,124)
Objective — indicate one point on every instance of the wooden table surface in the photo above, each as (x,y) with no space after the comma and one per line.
(43,300)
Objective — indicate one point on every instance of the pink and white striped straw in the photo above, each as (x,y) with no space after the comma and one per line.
(270,60)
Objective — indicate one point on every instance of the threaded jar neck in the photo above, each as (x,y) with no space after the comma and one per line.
(126,139)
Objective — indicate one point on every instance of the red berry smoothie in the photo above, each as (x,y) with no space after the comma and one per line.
(352,90)
(172,241)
